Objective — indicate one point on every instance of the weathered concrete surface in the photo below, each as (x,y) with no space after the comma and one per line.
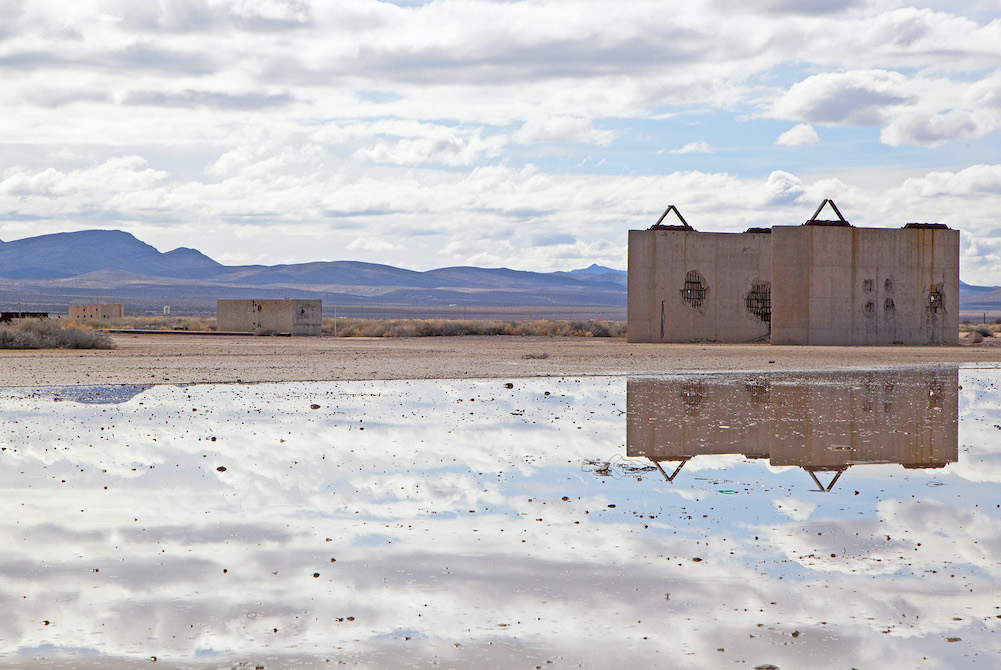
(908,417)
(100,312)
(686,286)
(298,317)
(863,286)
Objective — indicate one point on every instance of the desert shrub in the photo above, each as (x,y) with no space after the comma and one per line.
(50,334)
(984,331)
(350,327)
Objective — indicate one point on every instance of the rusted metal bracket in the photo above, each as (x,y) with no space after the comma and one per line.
(671,208)
(814,221)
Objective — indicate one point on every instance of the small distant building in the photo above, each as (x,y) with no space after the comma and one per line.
(823,282)
(102,312)
(291,317)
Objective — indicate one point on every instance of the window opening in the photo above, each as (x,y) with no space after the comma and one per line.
(695,292)
(759,300)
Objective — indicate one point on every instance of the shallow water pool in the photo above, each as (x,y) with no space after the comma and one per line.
(830,520)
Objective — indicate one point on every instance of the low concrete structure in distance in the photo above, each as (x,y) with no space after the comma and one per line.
(292,317)
(823,282)
(99,312)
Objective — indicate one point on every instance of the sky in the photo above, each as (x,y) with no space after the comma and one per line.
(524,134)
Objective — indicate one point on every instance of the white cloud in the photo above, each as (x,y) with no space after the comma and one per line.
(250,116)
(451,151)
(801,133)
(917,110)
(856,97)
(561,129)
(373,244)
(932,129)
(699,147)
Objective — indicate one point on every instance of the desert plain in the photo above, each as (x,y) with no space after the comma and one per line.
(192,359)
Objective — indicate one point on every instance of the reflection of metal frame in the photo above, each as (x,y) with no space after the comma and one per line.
(820,487)
(674,474)
(810,471)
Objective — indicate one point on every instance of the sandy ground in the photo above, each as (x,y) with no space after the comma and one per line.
(186,359)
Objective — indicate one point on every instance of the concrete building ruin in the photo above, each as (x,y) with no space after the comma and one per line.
(97,312)
(823,282)
(281,316)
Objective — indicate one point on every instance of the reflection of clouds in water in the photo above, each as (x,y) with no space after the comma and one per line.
(452,526)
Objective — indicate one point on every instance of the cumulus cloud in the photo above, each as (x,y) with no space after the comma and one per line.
(803,7)
(443,150)
(801,133)
(57,97)
(909,110)
(373,244)
(256,113)
(217,99)
(272,14)
(699,147)
(554,239)
(857,97)
(561,129)
(932,129)
(782,188)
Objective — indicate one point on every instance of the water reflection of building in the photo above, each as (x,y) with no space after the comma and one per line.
(821,423)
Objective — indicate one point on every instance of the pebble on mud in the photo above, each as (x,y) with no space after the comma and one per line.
(221,468)
(314,406)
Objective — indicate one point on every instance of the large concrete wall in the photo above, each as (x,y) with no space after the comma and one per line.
(297,317)
(905,417)
(668,304)
(834,285)
(101,312)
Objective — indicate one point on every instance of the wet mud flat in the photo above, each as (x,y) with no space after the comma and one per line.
(821,520)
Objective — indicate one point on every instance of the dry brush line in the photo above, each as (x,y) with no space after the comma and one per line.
(355,327)
(146,323)
(50,334)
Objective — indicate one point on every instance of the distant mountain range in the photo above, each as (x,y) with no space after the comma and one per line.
(50,271)
(979,298)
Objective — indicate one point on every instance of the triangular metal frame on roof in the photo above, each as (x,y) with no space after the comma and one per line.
(814,221)
(671,208)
